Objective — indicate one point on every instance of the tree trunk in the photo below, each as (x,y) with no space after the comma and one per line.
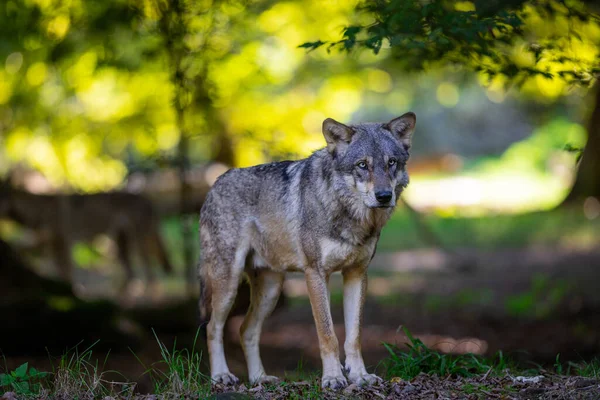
(587,181)
(224,152)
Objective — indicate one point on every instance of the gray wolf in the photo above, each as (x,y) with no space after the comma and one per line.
(62,219)
(318,215)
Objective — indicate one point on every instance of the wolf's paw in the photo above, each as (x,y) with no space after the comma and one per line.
(365,379)
(265,379)
(225,378)
(334,382)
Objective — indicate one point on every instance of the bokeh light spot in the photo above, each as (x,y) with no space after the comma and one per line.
(447,94)
(379,81)
(36,74)
(13,63)
(591,208)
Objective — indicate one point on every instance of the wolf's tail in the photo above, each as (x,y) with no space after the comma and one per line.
(205,301)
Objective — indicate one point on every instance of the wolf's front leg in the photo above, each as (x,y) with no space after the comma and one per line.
(328,343)
(355,289)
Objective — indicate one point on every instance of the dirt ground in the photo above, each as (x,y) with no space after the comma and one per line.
(530,303)
(433,387)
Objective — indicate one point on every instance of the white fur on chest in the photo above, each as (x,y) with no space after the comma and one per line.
(336,254)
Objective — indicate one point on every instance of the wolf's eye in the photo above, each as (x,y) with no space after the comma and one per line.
(392,162)
(362,165)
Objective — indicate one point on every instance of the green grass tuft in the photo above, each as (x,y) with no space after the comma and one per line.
(78,376)
(420,359)
(179,372)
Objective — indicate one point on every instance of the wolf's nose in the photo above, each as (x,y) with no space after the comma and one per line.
(383,196)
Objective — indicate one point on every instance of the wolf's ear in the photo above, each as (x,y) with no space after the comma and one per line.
(337,135)
(403,128)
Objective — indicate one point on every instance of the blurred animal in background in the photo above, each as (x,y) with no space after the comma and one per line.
(60,220)
(163,187)
(318,215)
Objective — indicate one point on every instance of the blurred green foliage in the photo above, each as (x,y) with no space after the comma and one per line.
(543,299)
(86,88)
(537,152)
(561,227)
(510,42)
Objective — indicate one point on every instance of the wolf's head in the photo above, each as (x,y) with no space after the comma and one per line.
(370,158)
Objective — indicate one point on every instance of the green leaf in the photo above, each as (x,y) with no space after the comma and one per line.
(312,45)
(6,380)
(21,387)
(21,371)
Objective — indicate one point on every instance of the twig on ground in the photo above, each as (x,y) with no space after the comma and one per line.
(486,374)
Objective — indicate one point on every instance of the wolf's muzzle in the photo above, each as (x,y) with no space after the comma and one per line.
(383,196)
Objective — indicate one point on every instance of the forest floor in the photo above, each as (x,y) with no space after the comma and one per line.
(525,287)
(434,387)
(537,306)
(419,373)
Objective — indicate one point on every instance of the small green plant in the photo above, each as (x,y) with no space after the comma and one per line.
(419,358)
(23,381)
(558,365)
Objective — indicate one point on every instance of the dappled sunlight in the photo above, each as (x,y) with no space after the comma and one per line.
(533,174)
(450,345)
(480,195)
(411,261)
(268,95)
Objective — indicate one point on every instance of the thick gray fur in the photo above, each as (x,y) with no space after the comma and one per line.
(323,213)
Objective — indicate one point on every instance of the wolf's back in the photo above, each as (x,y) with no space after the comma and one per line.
(236,195)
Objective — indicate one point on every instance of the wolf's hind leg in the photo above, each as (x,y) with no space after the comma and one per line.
(265,290)
(224,283)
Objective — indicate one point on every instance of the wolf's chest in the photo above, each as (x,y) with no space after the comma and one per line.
(337,254)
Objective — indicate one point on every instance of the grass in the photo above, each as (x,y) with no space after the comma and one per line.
(587,369)
(420,359)
(179,372)
(76,376)
(80,376)
(179,375)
